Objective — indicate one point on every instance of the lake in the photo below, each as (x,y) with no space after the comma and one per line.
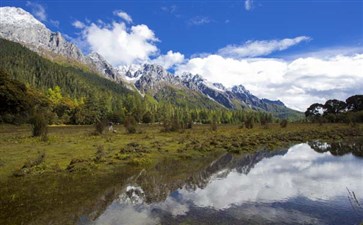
(308,183)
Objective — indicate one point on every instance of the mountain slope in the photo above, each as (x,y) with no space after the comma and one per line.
(30,68)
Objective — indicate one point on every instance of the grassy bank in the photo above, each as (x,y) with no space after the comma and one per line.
(75,149)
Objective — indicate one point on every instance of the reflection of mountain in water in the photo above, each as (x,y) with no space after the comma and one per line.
(221,167)
(279,187)
(169,175)
(339,148)
(156,184)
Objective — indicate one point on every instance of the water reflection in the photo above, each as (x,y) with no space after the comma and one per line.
(297,186)
(339,148)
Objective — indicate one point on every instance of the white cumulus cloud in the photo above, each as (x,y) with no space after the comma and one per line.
(78,24)
(123,15)
(298,83)
(169,60)
(260,48)
(119,44)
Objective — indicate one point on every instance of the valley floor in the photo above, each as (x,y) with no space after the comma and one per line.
(65,173)
(76,148)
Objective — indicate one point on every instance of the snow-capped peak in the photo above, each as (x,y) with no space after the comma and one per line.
(199,81)
(153,70)
(147,72)
(128,71)
(17,17)
(240,89)
(219,87)
(188,77)
(20,26)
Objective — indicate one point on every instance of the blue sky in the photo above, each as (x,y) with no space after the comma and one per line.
(194,27)
(299,51)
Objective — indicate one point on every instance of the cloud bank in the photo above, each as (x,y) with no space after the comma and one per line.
(298,81)
(169,60)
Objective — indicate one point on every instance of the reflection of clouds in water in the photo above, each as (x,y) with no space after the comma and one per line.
(129,212)
(264,214)
(301,172)
(173,207)
(126,215)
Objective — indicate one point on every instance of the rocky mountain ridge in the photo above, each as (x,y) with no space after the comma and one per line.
(20,26)
(149,78)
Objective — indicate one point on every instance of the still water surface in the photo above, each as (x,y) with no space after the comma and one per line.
(314,183)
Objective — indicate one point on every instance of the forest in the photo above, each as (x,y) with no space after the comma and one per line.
(62,94)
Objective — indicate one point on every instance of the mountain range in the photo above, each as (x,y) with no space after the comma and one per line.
(19,26)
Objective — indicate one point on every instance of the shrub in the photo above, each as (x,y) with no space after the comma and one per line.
(34,162)
(283,123)
(7,118)
(249,123)
(39,123)
(175,124)
(28,165)
(100,153)
(213,126)
(130,124)
(147,117)
(166,125)
(189,124)
(213,123)
(116,117)
(100,127)
(172,124)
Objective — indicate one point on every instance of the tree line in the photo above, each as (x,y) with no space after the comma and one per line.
(63,94)
(350,110)
(19,102)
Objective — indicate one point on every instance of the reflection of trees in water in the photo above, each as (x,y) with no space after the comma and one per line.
(339,148)
(156,184)
(169,175)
